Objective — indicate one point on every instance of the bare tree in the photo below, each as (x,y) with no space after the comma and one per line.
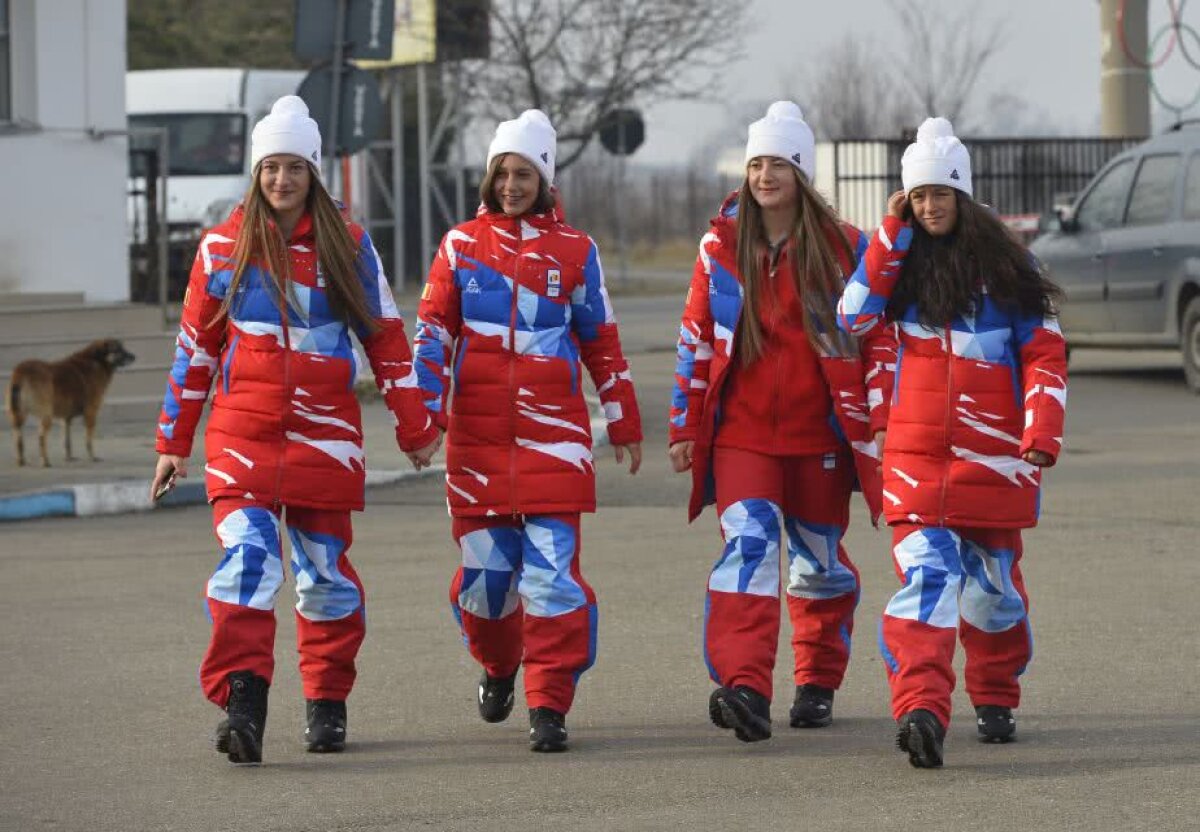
(579,59)
(943,53)
(851,95)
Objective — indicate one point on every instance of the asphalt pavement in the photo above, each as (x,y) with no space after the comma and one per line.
(105,728)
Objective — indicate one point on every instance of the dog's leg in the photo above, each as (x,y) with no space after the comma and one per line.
(67,438)
(19,442)
(89,424)
(43,432)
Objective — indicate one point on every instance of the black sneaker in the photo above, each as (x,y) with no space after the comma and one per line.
(496,697)
(996,723)
(744,710)
(326,731)
(221,737)
(813,707)
(247,718)
(714,710)
(547,730)
(921,736)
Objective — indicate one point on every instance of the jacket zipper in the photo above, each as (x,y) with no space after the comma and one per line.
(949,347)
(287,383)
(512,372)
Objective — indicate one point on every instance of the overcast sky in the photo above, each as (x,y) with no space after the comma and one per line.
(1050,57)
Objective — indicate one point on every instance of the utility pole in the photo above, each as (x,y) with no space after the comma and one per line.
(1124,75)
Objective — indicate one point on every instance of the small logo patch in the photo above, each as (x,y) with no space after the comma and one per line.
(546,158)
(797,158)
(954,174)
(553,276)
(830,461)
(552,292)
(472,287)
(314,156)
(427,291)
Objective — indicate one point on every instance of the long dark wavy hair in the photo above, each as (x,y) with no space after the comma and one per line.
(816,269)
(943,276)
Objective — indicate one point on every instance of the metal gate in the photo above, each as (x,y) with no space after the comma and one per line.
(1019,178)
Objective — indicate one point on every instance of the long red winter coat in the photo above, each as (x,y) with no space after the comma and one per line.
(285,426)
(972,397)
(855,385)
(511,309)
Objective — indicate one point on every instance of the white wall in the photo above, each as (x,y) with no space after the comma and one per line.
(62,206)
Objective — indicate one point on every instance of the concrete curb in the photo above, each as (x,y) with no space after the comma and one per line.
(129,496)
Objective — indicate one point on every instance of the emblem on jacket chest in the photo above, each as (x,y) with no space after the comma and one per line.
(553,283)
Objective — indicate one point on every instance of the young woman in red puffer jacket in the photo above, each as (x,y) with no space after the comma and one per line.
(772,415)
(273,295)
(515,308)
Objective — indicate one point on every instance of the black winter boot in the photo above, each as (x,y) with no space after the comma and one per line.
(247,717)
(496,697)
(326,731)
(813,707)
(743,709)
(921,735)
(547,730)
(996,723)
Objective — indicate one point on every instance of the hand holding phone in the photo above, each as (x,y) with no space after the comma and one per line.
(166,471)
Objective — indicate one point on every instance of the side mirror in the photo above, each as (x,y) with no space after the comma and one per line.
(1066,219)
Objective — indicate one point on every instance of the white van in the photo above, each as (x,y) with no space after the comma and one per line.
(209,114)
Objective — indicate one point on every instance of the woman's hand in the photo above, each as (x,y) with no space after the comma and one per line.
(423,457)
(880,440)
(896,204)
(166,470)
(1038,458)
(635,455)
(681,455)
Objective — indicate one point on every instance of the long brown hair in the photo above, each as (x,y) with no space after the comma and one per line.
(259,241)
(818,279)
(487,192)
(943,276)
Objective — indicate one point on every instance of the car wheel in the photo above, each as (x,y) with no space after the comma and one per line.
(1189,342)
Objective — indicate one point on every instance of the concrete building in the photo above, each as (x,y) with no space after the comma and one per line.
(63,156)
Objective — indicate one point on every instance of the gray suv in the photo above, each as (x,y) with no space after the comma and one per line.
(1127,253)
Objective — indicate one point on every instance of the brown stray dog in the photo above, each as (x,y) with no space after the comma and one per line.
(63,389)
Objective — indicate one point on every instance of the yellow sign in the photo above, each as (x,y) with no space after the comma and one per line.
(414,40)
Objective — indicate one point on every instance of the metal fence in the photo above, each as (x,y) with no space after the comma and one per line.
(1017,177)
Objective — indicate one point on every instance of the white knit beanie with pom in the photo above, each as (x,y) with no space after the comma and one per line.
(783,133)
(937,157)
(530,135)
(288,128)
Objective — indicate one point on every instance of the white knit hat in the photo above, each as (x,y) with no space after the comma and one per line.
(783,133)
(937,157)
(530,135)
(286,129)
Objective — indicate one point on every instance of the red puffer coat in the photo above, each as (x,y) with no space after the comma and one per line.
(511,309)
(285,426)
(855,386)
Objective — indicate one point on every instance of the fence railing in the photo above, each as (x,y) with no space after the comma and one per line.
(1017,177)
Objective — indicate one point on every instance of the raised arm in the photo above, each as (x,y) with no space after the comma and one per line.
(869,289)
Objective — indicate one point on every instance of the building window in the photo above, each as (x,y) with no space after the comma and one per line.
(5,66)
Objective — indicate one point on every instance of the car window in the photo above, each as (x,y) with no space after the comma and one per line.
(1153,194)
(1191,190)
(1104,205)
